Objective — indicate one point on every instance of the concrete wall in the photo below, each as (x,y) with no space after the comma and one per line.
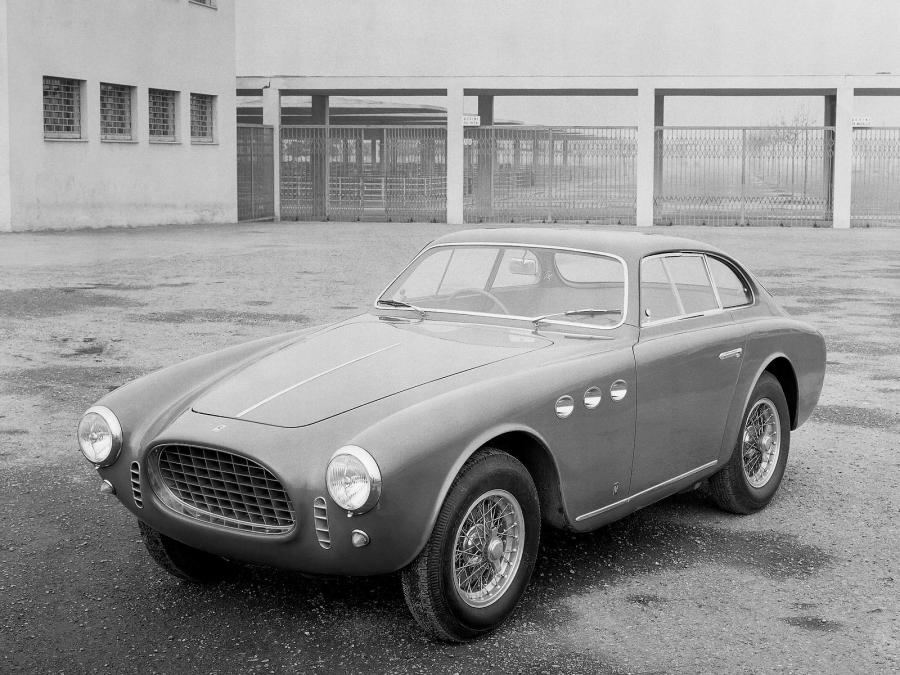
(166,44)
(575,37)
(4,124)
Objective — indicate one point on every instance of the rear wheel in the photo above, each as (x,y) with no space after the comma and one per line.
(478,562)
(753,473)
(180,560)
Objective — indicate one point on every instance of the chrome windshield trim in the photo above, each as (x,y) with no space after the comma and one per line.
(496,244)
(313,377)
(621,502)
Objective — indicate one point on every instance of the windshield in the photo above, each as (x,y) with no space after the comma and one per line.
(553,285)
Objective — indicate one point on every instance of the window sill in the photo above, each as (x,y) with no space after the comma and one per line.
(164,142)
(66,140)
(193,142)
(119,140)
(202,4)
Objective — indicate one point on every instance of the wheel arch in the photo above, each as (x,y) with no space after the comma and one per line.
(539,462)
(782,370)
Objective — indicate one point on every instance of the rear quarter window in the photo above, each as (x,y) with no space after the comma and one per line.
(733,291)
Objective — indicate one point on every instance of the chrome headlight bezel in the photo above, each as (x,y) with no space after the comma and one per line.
(370,471)
(113,427)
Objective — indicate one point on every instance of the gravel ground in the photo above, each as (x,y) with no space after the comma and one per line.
(808,585)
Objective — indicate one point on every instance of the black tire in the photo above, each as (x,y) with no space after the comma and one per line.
(429,582)
(732,488)
(181,560)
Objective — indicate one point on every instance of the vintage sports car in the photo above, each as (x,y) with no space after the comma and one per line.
(507,380)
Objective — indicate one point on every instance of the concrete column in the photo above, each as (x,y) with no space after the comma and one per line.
(486,110)
(455,156)
(5,178)
(843,157)
(140,101)
(644,164)
(272,116)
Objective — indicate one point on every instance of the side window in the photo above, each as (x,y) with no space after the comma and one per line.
(732,291)
(692,283)
(658,299)
(518,267)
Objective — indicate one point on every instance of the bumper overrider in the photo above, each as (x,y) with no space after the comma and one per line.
(254,493)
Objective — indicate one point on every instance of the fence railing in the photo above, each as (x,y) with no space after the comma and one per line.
(743,175)
(875,196)
(550,174)
(363,173)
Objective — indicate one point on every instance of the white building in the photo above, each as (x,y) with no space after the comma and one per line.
(116,112)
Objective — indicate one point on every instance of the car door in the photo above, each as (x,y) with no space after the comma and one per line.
(687,359)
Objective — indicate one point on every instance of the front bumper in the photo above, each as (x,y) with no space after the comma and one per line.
(292,456)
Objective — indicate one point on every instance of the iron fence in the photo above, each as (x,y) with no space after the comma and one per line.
(255,172)
(363,173)
(743,175)
(876,176)
(550,174)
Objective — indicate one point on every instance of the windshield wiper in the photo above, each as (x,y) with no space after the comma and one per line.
(537,321)
(402,305)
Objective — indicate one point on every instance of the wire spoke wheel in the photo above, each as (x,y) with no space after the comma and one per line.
(761,443)
(488,548)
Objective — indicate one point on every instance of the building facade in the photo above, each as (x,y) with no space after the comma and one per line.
(116,112)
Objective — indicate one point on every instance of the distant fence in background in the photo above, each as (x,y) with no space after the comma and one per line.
(550,174)
(255,172)
(876,176)
(743,175)
(350,173)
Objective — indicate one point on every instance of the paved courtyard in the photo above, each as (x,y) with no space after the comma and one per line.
(808,585)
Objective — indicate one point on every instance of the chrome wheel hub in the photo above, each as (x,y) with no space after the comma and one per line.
(761,443)
(487,548)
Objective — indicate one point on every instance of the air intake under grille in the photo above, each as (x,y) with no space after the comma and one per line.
(136,485)
(222,488)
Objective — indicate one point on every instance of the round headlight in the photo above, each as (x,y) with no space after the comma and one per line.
(353,479)
(100,436)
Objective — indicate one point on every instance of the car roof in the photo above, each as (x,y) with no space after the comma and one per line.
(624,244)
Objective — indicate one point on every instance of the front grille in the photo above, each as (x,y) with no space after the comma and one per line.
(136,485)
(223,489)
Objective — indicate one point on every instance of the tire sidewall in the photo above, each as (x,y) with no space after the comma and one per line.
(767,387)
(471,486)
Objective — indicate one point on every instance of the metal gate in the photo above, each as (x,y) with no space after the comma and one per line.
(255,172)
(393,173)
(876,176)
(550,174)
(743,175)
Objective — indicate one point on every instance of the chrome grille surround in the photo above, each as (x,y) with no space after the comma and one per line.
(136,485)
(320,517)
(220,488)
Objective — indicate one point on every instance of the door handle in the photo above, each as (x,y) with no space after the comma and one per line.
(731,354)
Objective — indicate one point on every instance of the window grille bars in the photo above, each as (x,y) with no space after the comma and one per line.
(115,112)
(202,118)
(62,108)
(161,115)
(875,187)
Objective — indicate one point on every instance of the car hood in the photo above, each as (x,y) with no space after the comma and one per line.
(355,363)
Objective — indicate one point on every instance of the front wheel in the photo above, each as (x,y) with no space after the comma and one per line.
(752,475)
(478,561)
(182,561)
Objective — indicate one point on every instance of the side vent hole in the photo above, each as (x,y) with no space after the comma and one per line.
(136,484)
(320,517)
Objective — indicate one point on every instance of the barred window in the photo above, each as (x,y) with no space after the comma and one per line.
(202,118)
(115,112)
(162,115)
(62,108)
